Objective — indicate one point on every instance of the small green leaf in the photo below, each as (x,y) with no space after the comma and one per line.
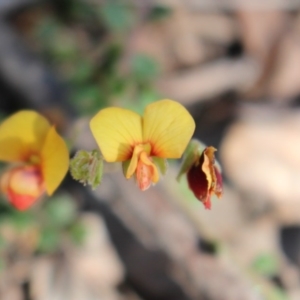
(159,12)
(278,294)
(64,47)
(87,98)
(2,264)
(47,29)
(266,264)
(78,233)
(83,72)
(60,210)
(3,242)
(117,16)
(49,240)
(22,220)
(144,67)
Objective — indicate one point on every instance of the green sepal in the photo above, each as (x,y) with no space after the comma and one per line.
(191,155)
(125,166)
(161,163)
(87,167)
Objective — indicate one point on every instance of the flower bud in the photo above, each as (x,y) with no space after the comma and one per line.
(22,185)
(87,167)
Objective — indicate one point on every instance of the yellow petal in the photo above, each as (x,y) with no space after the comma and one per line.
(134,161)
(55,160)
(132,165)
(21,135)
(168,127)
(116,131)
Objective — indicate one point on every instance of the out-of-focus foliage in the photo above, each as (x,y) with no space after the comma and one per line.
(42,230)
(266,265)
(87,46)
(95,49)
(116,16)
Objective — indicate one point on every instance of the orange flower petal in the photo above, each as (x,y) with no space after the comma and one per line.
(149,167)
(116,131)
(168,127)
(134,161)
(145,170)
(21,135)
(55,160)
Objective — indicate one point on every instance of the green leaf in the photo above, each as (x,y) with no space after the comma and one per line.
(82,11)
(2,264)
(60,211)
(49,240)
(64,47)
(56,41)
(111,57)
(47,29)
(270,292)
(117,16)
(87,98)
(3,242)
(22,220)
(159,12)
(278,293)
(78,233)
(83,72)
(144,67)
(266,264)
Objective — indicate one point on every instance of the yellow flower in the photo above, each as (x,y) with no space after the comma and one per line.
(140,142)
(38,158)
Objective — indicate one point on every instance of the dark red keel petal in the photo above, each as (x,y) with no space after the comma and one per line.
(204,177)
(198,183)
(207,202)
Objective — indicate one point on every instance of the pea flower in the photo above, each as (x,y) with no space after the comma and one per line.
(143,143)
(37,155)
(203,172)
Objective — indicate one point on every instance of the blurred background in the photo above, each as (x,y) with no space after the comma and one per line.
(235,65)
